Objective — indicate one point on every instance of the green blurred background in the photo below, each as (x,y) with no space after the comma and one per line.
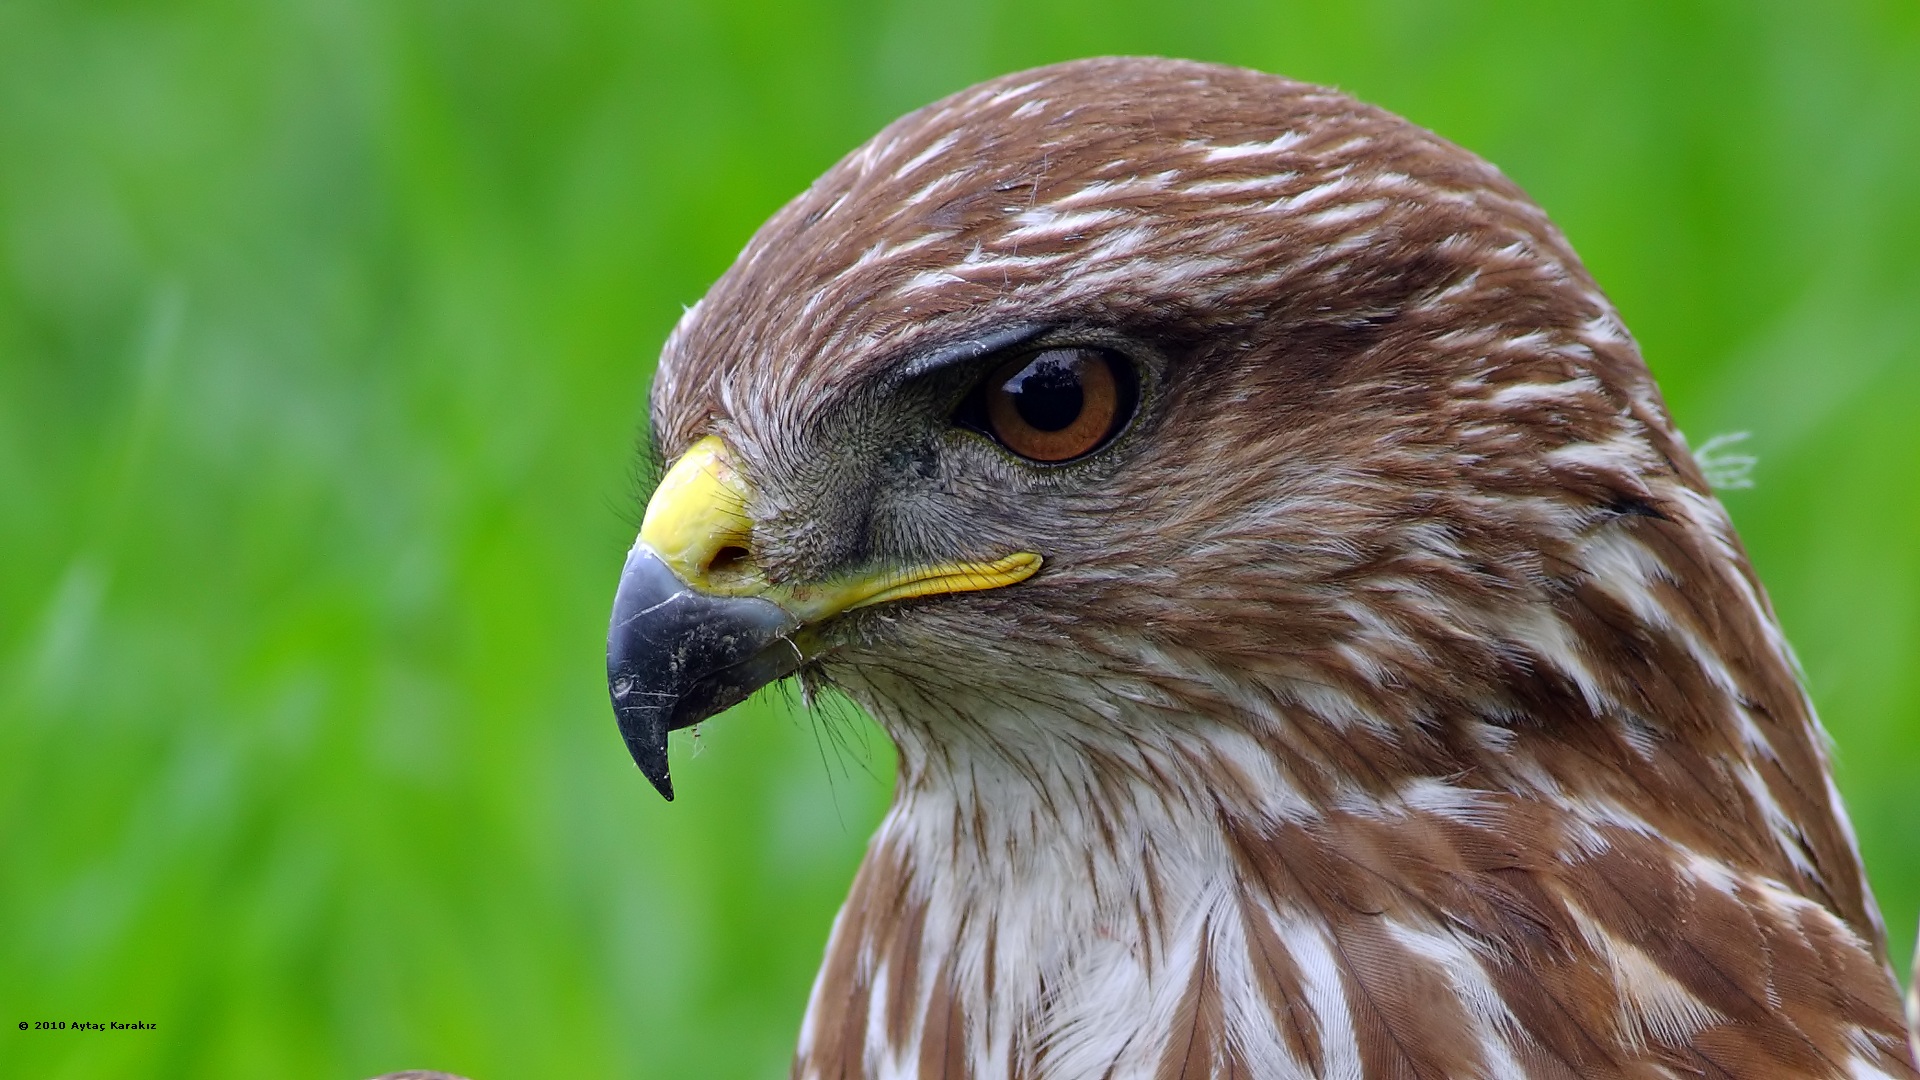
(325,332)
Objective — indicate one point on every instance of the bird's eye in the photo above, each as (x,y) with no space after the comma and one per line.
(1055,405)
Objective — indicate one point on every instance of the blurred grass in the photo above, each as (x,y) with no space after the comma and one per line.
(325,330)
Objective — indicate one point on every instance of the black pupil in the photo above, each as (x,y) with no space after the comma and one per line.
(1047,391)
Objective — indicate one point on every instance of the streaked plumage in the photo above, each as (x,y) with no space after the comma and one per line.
(1394,699)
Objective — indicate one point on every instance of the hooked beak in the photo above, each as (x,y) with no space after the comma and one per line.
(676,656)
(697,626)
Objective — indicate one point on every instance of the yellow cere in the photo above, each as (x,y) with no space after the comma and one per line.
(700,511)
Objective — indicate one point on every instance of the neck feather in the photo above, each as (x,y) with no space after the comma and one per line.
(1197,867)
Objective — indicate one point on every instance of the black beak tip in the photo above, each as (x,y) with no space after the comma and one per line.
(653,765)
(644,731)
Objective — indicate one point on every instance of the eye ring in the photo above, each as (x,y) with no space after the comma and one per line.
(1054,405)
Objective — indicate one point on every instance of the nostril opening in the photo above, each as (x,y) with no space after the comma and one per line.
(731,557)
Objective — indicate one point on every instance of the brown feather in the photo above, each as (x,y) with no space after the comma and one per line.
(1394,696)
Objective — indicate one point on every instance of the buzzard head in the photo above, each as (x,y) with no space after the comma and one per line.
(1307,639)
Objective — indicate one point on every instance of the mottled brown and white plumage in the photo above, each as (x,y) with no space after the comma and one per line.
(1395,700)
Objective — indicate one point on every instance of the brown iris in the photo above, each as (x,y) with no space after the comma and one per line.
(1054,405)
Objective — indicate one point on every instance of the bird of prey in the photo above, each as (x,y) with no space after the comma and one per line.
(1311,648)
